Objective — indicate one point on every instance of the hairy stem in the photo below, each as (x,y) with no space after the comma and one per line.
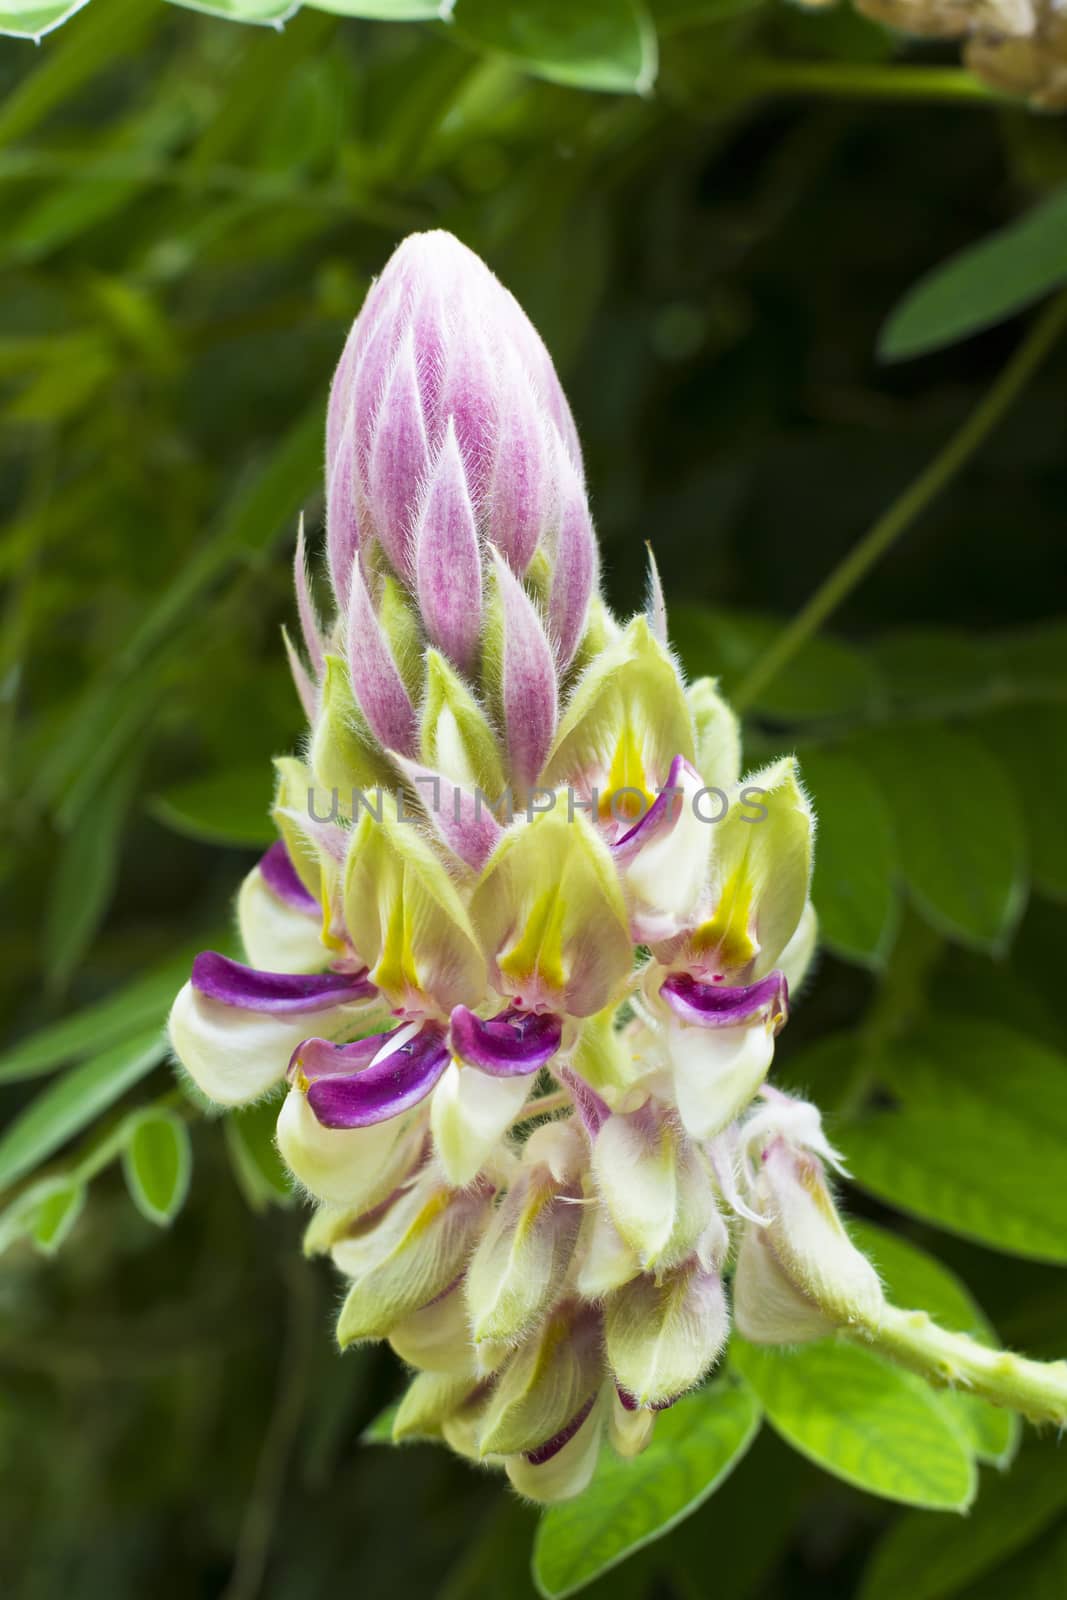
(910,505)
(1037,1389)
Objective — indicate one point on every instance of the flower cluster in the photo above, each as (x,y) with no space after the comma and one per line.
(1016,46)
(526,1013)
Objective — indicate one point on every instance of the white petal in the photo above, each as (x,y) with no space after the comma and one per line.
(469,1113)
(795,960)
(716,1072)
(569,1470)
(277,937)
(233,1055)
(348,1167)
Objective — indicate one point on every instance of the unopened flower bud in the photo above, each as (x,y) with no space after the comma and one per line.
(654,1183)
(664,1334)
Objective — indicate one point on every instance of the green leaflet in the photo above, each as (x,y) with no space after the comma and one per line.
(853,887)
(70,1103)
(1030,741)
(258,1168)
(932,1560)
(913,1279)
(977,1143)
(629,1503)
(958,826)
(157,1162)
(982,285)
(864,1420)
(226,808)
(588,44)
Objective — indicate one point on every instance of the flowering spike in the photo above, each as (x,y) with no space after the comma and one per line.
(528,997)
(448,572)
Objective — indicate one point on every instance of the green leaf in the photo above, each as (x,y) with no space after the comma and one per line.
(629,1503)
(33,20)
(157,1161)
(386,10)
(70,1103)
(928,1559)
(670,16)
(918,1281)
(982,285)
(853,888)
(107,31)
(131,1009)
(864,1420)
(825,678)
(227,808)
(260,1172)
(55,1214)
(84,880)
(1030,741)
(586,44)
(959,829)
(275,11)
(977,1143)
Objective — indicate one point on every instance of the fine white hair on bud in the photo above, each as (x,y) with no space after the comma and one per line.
(524,945)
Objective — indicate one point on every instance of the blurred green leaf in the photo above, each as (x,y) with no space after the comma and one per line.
(85,874)
(55,1214)
(629,1503)
(73,1101)
(269,11)
(131,1009)
(257,1166)
(853,888)
(102,34)
(32,20)
(927,1559)
(991,280)
(825,678)
(380,1429)
(1030,742)
(958,825)
(977,1144)
(588,44)
(1037,1573)
(865,1421)
(917,1281)
(226,808)
(157,1161)
(386,10)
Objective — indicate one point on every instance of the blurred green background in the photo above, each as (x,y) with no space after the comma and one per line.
(190,213)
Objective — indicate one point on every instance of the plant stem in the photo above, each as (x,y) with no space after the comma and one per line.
(856,82)
(910,505)
(1037,1389)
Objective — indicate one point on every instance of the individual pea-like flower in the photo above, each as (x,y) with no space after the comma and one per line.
(519,957)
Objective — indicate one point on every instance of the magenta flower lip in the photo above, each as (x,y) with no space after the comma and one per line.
(281,879)
(282,993)
(512,1044)
(717,1005)
(348,1091)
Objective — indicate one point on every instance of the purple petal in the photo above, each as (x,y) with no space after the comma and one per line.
(342,515)
(574,568)
(374,1094)
(398,459)
(528,688)
(448,568)
(510,1045)
(282,993)
(553,1446)
(305,689)
(711,1005)
(664,809)
(376,679)
(468,399)
(461,820)
(520,490)
(281,879)
(309,622)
